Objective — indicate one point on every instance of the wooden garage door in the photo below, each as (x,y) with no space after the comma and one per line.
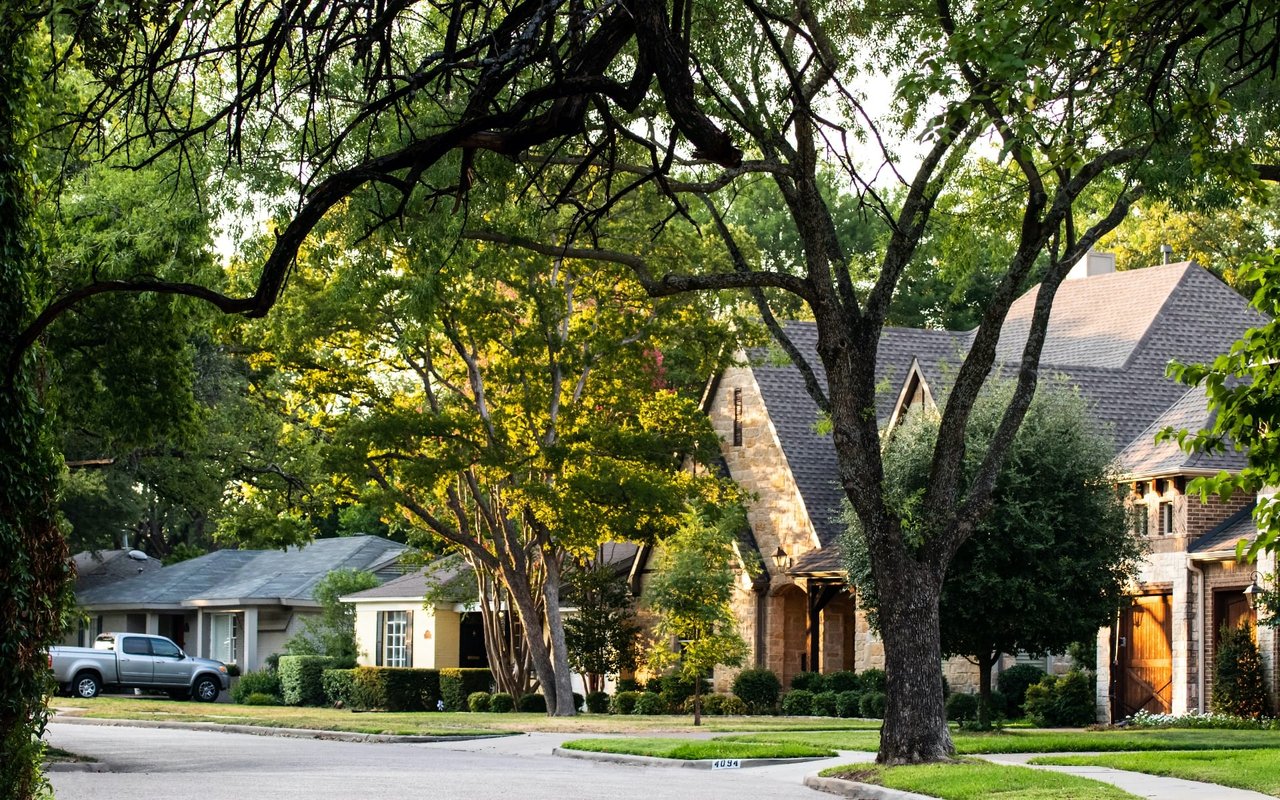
(1146,656)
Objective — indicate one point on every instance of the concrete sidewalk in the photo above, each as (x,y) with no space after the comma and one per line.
(1141,784)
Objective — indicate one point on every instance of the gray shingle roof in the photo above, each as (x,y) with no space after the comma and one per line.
(1110,335)
(1231,530)
(449,580)
(1143,457)
(265,575)
(99,567)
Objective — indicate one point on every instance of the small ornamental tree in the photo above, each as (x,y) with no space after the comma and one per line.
(690,595)
(333,633)
(602,636)
(1047,567)
(1239,686)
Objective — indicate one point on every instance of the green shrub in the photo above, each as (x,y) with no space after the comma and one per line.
(962,707)
(597,702)
(261,699)
(502,703)
(395,688)
(338,686)
(843,681)
(1013,683)
(627,685)
(759,689)
(946,688)
(824,704)
(849,704)
(532,704)
(1062,702)
(798,703)
(812,682)
(676,689)
(732,706)
(623,702)
(712,704)
(578,700)
(1239,685)
(478,702)
(256,682)
(300,679)
(874,680)
(650,703)
(871,705)
(457,685)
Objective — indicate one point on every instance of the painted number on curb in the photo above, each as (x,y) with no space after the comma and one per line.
(726,763)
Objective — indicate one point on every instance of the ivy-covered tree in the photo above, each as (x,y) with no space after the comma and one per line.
(1049,565)
(690,594)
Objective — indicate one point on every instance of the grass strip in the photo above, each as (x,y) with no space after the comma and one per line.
(696,749)
(1033,741)
(1258,770)
(968,780)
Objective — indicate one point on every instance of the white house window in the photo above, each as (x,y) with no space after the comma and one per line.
(224,633)
(395,646)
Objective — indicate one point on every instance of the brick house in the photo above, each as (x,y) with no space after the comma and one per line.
(1112,335)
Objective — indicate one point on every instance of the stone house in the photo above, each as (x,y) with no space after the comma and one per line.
(1111,334)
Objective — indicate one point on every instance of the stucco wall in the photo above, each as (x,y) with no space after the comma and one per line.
(435,633)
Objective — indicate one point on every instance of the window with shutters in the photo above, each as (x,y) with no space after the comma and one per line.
(395,639)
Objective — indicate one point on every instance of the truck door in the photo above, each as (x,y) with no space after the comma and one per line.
(133,658)
(171,667)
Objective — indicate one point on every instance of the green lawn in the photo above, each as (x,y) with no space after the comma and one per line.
(980,781)
(1258,770)
(153,708)
(687,749)
(1040,741)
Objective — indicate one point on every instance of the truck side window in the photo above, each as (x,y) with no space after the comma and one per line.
(137,646)
(159,647)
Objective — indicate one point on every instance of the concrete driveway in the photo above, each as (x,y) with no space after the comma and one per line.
(148,762)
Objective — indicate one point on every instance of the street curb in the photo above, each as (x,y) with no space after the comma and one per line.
(679,763)
(75,766)
(294,733)
(860,791)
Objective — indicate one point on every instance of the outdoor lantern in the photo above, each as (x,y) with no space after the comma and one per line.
(781,560)
(1253,592)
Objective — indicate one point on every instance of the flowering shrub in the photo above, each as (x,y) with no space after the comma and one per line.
(1145,719)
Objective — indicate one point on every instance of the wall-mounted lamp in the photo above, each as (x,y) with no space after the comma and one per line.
(781,560)
(1253,592)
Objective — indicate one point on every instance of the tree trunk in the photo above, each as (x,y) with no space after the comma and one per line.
(697,701)
(915,720)
(985,662)
(559,650)
(531,620)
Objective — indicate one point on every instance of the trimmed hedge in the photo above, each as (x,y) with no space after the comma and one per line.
(256,682)
(798,703)
(395,688)
(824,704)
(650,703)
(1062,702)
(260,699)
(339,684)
(812,682)
(478,702)
(843,681)
(962,707)
(597,702)
(623,702)
(300,679)
(874,680)
(759,689)
(1013,683)
(849,704)
(456,685)
(532,704)
(872,704)
(502,703)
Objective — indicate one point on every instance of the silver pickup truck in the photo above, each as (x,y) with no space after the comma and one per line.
(137,661)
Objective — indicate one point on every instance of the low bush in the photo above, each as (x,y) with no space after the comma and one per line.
(1062,702)
(395,688)
(712,704)
(256,682)
(261,699)
(502,703)
(300,679)
(813,682)
(849,704)
(532,703)
(962,707)
(1145,719)
(759,689)
(798,703)
(874,680)
(843,681)
(1239,682)
(598,702)
(338,686)
(732,706)
(578,700)
(627,685)
(824,704)
(650,703)
(624,702)
(478,702)
(872,705)
(457,686)
(1013,683)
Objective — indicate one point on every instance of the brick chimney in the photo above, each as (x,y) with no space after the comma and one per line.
(1093,263)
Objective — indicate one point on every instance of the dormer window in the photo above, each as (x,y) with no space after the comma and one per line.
(737,417)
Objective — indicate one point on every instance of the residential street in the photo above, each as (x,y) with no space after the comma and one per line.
(147,762)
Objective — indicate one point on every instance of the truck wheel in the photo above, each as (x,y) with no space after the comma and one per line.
(206,689)
(86,686)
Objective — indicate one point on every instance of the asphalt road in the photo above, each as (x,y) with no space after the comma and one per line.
(150,763)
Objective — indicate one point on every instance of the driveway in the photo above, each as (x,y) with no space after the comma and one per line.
(148,762)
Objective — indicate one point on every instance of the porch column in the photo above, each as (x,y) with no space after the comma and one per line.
(153,623)
(200,648)
(250,638)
